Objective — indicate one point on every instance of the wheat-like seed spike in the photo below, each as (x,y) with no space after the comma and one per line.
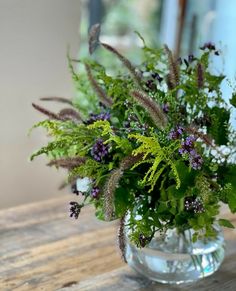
(154,110)
(50,114)
(173,76)
(113,182)
(57,99)
(93,37)
(70,114)
(129,161)
(121,238)
(109,191)
(200,75)
(96,87)
(126,63)
(68,163)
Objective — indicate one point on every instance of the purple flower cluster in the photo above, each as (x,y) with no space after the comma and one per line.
(75,209)
(143,240)
(194,204)
(187,148)
(176,132)
(99,150)
(101,116)
(195,160)
(95,192)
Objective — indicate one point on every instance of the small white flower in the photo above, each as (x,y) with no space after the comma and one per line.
(83,184)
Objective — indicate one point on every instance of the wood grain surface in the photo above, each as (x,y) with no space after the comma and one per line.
(41,248)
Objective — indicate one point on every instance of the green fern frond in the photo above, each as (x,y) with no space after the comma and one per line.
(106,130)
(156,177)
(104,125)
(150,147)
(53,127)
(55,149)
(147,161)
(175,173)
(90,169)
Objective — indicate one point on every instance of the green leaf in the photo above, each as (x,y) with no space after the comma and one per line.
(121,201)
(233,99)
(219,125)
(225,223)
(232,202)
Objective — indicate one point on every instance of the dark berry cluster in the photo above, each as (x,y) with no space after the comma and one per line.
(75,209)
(101,116)
(99,150)
(151,82)
(194,204)
(188,60)
(211,47)
(75,190)
(143,240)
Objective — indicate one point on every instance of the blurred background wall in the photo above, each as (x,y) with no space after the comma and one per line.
(34,36)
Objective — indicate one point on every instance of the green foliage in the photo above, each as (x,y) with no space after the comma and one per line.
(159,157)
(225,223)
(219,125)
(163,177)
(233,100)
(91,169)
(107,132)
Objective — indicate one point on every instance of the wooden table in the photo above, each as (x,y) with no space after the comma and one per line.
(42,249)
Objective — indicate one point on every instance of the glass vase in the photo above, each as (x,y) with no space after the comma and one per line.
(173,258)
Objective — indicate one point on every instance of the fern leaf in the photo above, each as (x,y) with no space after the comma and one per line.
(103,124)
(175,173)
(156,177)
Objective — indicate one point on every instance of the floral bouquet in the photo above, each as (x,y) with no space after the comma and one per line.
(152,145)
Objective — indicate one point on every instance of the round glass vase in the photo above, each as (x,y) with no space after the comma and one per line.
(173,258)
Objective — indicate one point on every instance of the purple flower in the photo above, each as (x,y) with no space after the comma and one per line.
(101,116)
(176,132)
(99,150)
(195,160)
(95,192)
(187,146)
